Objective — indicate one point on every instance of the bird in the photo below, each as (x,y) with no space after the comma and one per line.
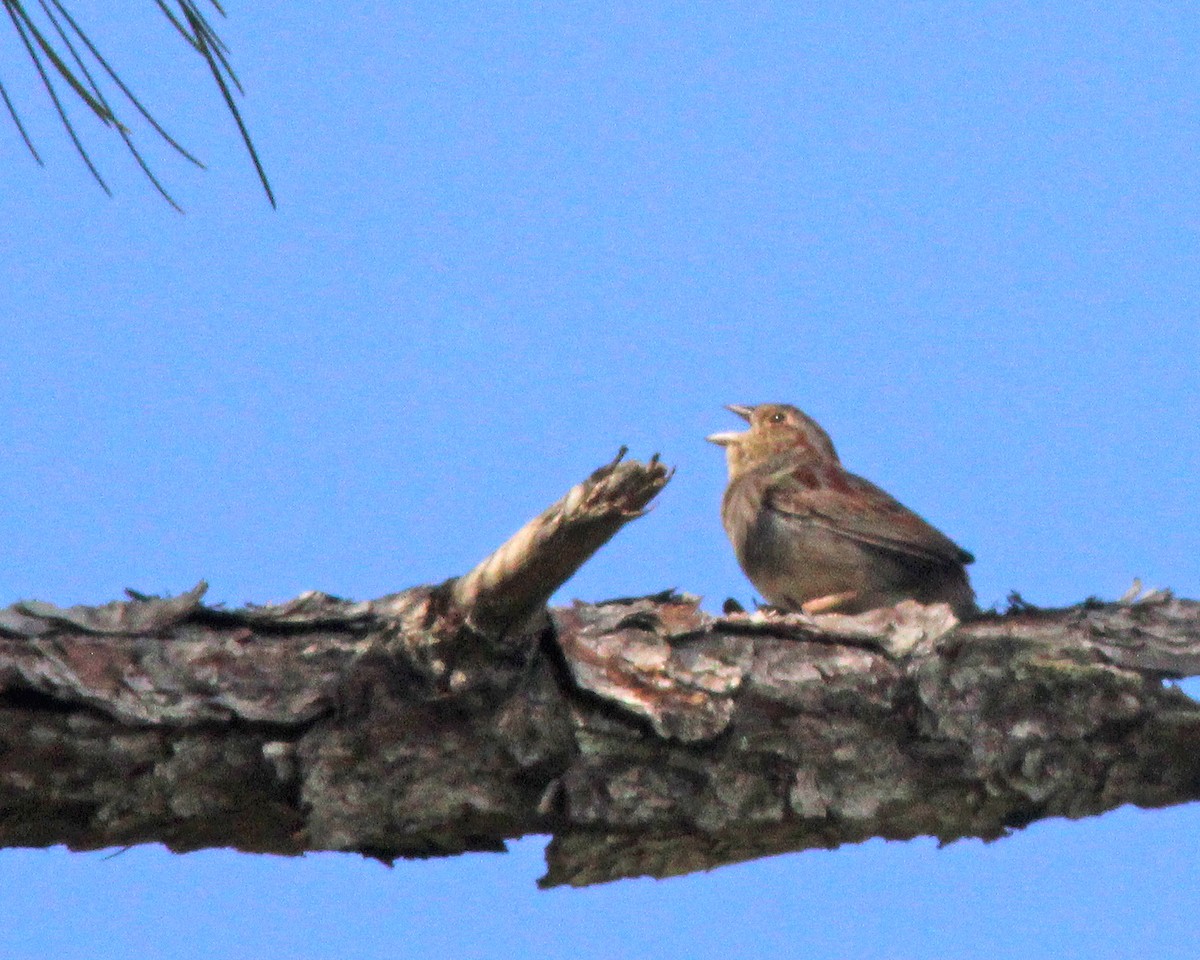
(815,538)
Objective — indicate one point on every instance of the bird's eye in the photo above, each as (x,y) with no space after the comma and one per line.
(776,418)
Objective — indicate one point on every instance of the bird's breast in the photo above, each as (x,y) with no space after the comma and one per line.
(791,561)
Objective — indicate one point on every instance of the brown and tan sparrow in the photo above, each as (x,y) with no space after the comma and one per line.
(813,537)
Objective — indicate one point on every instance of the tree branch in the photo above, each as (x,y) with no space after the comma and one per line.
(515,582)
(646,736)
(67,47)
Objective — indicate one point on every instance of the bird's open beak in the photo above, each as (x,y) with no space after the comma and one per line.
(725,439)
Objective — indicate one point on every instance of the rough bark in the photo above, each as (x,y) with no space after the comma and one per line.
(645,736)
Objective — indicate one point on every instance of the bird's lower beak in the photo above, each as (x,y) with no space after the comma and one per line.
(725,439)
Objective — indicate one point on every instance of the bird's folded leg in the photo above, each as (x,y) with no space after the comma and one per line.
(827,603)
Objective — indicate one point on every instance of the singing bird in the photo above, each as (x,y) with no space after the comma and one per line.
(812,536)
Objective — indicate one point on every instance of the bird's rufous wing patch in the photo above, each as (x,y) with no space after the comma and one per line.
(853,507)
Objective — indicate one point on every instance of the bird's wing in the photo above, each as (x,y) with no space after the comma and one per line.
(829,497)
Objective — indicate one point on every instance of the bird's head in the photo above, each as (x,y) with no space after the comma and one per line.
(775,428)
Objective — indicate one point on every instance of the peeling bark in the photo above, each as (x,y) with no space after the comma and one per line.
(645,736)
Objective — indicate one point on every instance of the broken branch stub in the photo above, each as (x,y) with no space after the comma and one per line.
(512,585)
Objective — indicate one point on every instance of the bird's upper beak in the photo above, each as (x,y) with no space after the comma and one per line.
(725,439)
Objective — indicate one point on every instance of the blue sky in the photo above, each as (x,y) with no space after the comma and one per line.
(511,237)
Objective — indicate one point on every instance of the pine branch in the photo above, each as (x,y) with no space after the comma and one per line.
(64,47)
(645,736)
